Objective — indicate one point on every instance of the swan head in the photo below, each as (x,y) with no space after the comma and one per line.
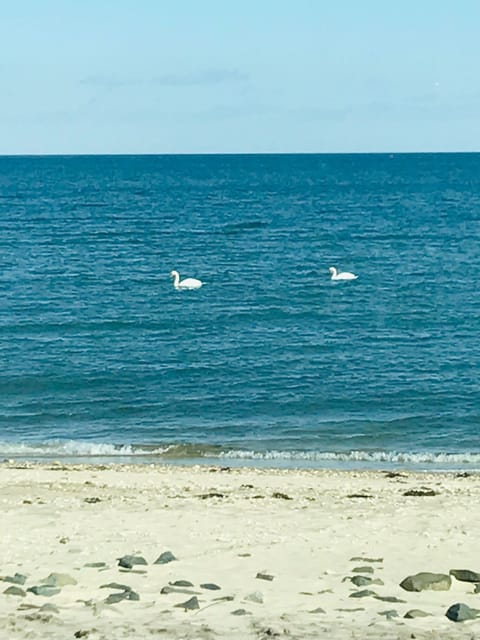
(332,270)
(173,274)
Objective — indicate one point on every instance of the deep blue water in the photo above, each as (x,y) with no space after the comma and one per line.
(270,360)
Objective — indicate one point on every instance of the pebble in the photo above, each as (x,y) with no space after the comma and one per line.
(317,610)
(116,585)
(127,562)
(241,612)
(189,605)
(459,612)
(391,613)
(388,599)
(210,585)
(58,580)
(18,578)
(113,598)
(256,597)
(165,557)
(264,576)
(15,591)
(425,580)
(168,589)
(362,594)
(416,613)
(181,583)
(465,575)
(360,559)
(362,570)
(44,590)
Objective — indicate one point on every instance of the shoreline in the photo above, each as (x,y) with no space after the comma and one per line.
(282,545)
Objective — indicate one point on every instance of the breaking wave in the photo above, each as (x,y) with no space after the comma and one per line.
(196,453)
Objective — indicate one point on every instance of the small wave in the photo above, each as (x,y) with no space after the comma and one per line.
(191,451)
(238,227)
(67,449)
(358,456)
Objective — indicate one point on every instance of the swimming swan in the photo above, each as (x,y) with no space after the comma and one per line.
(188,283)
(343,275)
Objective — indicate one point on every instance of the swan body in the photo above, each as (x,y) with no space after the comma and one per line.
(187,283)
(343,275)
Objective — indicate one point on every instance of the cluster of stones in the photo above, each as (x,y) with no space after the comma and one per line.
(53,584)
(362,579)
(457,612)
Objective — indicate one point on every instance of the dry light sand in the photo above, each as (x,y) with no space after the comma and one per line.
(225,526)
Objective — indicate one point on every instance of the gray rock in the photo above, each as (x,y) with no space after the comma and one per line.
(15,591)
(116,585)
(165,557)
(459,612)
(211,586)
(476,588)
(241,612)
(181,583)
(58,580)
(18,578)
(420,493)
(360,559)
(362,570)
(127,562)
(256,597)
(465,575)
(168,589)
(189,605)
(264,576)
(113,598)
(317,610)
(389,599)
(95,565)
(361,581)
(44,590)
(416,613)
(425,580)
(362,594)
(391,613)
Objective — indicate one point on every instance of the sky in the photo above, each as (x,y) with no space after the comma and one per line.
(245,76)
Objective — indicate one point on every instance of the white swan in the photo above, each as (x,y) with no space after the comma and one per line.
(343,275)
(188,283)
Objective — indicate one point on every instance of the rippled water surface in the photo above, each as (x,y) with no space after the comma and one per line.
(270,361)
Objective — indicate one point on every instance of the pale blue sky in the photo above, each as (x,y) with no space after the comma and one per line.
(206,76)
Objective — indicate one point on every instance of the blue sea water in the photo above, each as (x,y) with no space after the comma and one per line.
(270,362)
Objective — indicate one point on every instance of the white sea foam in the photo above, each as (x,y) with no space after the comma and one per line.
(73,448)
(358,456)
(84,449)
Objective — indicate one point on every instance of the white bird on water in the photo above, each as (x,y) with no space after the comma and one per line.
(188,283)
(343,275)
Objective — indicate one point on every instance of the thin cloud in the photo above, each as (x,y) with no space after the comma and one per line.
(201,78)
(108,82)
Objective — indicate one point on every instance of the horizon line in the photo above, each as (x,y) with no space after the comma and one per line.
(232,153)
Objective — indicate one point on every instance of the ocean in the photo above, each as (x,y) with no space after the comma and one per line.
(270,362)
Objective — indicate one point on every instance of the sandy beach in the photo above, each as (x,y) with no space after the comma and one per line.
(218,552)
